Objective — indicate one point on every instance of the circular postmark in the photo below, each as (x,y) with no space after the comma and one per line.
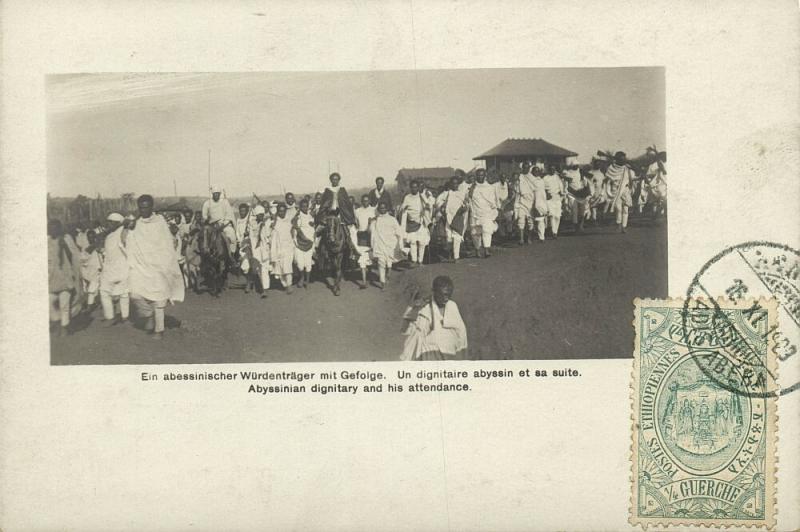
(745,274)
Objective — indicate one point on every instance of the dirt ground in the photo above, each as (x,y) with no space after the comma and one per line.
(565,298)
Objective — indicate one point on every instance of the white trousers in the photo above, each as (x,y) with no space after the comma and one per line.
(540,222)
(417,251)
(482,234)
(622,215)
(107,301)
(456,238)
(554,222)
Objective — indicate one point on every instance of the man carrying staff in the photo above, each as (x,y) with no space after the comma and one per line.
(114,277)
(379,193)
(618,189)
(483,206)
(217,211)
(155,277)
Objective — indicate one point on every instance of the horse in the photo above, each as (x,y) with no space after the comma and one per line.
(214,258)
(333,247)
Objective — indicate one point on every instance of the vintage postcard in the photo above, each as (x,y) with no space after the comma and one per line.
(704,413)
(372,266)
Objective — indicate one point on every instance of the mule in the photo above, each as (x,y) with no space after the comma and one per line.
(333,247)
(215,259)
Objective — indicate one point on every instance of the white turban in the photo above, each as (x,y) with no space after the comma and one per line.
(216,189)
(115,217)
(258,209)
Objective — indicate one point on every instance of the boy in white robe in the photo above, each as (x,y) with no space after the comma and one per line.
(364,216)
(435,331)
(114,276)
(90,268)
(483,206)
(554,187)
(155,277)
(386,238)
(304,242)
(282,248)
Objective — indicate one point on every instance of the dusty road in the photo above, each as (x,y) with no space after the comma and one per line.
(566,298)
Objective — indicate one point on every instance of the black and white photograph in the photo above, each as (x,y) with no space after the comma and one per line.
(408,215)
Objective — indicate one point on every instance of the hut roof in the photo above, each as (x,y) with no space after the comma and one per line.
(526,148)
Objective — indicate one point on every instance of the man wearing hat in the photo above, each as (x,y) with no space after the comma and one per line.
(217,211)
(114,275)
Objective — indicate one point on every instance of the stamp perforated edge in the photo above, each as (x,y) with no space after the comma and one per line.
(771,457)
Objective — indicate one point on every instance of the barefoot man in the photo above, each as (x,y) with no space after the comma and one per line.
(385,237)
(483,206)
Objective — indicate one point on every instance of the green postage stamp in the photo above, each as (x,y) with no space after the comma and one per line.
(704,420)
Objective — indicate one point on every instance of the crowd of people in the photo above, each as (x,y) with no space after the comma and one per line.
(147,260)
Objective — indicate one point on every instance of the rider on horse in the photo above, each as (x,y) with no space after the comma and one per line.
(336,202)
(218,215)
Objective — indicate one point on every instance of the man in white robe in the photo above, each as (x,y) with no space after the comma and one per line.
(579,191)
(435,331)
(619,176)
(554,188)
(597,183)
(379,193)
(386,238)
(154,275)
(415,214)
(291,205)
(282,248)
(455,214)
(260,237)
(483,213)
(242,224)
(304,242)
(114,276)
(218,211)
(524,190)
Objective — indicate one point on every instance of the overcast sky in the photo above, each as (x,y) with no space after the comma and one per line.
(116,133)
